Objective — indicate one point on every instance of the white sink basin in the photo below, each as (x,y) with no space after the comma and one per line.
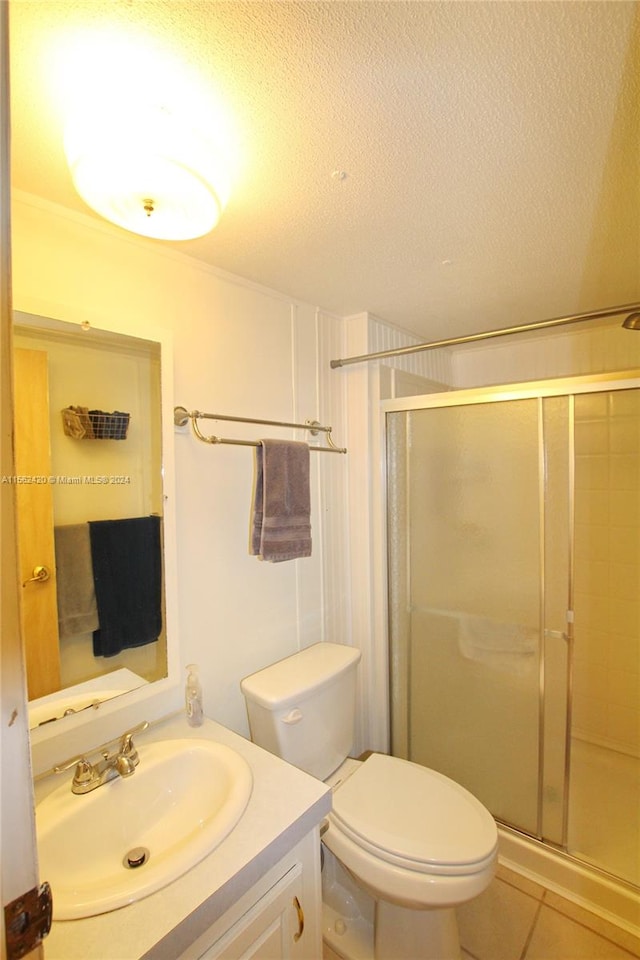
(183,799)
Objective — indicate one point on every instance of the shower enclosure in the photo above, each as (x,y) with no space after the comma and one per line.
(514,571)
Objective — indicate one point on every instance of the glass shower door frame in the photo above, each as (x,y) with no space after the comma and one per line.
(537,390)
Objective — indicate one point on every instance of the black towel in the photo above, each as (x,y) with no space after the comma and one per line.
(127,571)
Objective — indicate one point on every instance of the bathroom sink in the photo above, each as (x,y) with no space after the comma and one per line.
(130,837)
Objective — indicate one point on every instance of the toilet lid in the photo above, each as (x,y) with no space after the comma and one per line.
(408,814)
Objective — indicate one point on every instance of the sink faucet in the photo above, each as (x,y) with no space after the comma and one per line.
(122,763)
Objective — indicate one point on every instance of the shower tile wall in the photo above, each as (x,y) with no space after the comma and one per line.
(606,705)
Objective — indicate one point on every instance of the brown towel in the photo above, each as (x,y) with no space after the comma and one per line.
(281,524)
(77,608)
(77,423)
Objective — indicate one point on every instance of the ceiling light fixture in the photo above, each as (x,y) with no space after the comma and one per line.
(146,170)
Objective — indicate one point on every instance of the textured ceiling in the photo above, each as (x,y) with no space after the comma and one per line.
(491,149)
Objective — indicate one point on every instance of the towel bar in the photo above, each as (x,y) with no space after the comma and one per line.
(181,416)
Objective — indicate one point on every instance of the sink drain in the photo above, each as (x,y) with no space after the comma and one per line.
(137,857)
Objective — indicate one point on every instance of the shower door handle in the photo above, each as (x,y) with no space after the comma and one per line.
(557,635)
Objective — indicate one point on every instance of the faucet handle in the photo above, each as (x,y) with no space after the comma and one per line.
(71,762)
(127,748)
(84,772)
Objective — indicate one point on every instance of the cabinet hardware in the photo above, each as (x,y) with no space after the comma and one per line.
(300,913)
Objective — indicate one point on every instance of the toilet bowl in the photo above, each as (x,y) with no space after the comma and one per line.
(417,842)
(412,835)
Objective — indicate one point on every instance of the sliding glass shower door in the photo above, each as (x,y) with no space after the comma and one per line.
(483,490)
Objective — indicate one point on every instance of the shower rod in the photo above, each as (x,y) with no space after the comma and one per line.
(630,323)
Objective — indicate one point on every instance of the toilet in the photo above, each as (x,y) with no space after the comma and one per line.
(417,842)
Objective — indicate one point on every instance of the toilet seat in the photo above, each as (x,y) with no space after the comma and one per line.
(414,818)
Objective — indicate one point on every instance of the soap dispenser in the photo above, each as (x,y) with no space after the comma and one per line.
(193,697)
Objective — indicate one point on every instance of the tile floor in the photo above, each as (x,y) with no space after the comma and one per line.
(516,919)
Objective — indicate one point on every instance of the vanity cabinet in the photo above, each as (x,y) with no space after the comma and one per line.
(271,929)
(256,896)
(279,918)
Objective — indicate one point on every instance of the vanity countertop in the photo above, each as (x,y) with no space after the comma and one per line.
(285,805)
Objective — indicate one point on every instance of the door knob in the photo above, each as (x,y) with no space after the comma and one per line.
(40,574)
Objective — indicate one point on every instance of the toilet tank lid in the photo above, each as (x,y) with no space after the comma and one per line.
(277,686)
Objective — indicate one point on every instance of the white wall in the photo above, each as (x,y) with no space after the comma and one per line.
(242,349)
(109,379)
(569,352)
(238,349)
(366,384)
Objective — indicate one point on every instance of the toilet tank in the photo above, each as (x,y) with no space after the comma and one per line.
(303,708)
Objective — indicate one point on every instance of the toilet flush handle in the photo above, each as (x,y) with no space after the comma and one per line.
(294,716)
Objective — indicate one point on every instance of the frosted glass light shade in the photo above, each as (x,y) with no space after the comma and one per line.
(147,171)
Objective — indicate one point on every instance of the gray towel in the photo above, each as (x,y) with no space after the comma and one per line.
(281,525)
(77,609)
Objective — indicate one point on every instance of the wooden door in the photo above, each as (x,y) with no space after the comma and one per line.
(34,494)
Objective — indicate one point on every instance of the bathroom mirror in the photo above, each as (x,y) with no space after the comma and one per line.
(91,468)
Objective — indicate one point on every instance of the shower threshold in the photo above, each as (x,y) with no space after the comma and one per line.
(589,887)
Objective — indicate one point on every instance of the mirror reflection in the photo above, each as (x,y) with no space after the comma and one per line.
(89,497)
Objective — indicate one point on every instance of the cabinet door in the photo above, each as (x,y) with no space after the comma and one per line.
(270,930)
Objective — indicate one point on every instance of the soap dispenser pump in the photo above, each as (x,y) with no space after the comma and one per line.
(193,697)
